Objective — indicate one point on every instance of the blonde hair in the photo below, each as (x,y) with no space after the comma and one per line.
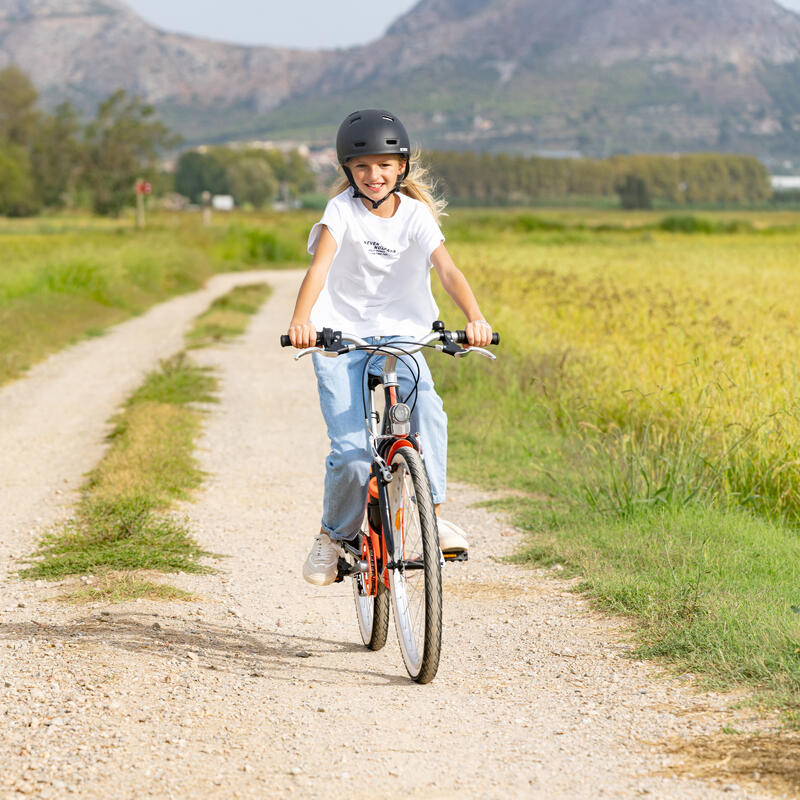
(418,184)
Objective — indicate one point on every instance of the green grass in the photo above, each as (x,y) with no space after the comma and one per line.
(714,592)
(252,246)
(122,522)
(120,587)
(126,534)
(67,278)
(228,316)
(712,589)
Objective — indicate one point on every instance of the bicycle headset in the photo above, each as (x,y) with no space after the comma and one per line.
(372,132)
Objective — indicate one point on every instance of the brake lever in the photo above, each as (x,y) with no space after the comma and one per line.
(309,350)
(347,348)
(479,350)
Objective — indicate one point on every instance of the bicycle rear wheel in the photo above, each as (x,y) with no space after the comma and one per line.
(372,610)
(416,581)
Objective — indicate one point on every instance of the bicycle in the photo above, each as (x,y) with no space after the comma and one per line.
(396,554)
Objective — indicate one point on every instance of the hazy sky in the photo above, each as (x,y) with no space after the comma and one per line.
(298,23)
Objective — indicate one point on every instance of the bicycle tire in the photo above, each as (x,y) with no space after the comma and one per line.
(372,613)
(416,589)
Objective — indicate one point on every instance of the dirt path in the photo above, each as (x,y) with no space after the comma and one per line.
(262,689)
(53,421)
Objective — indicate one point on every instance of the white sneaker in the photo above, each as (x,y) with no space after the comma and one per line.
(452,540)
(322,563)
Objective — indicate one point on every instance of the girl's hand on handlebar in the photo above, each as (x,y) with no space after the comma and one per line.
(302,335)
(479,333)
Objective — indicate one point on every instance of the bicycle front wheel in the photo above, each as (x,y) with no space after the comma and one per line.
(416,580)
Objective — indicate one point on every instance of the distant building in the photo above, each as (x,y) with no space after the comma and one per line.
(784,183)
(222,202)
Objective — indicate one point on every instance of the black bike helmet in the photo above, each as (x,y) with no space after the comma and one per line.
(372,132)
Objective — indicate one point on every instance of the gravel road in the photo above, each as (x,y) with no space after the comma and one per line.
(261,688)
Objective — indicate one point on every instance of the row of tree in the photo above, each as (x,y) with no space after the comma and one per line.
(638,180)
(254,176)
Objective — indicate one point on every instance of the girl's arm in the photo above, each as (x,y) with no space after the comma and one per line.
(301,331)
(479,332)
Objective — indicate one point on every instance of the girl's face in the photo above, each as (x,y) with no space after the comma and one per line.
(376,176)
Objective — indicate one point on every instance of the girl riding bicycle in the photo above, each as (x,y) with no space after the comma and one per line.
(370,276)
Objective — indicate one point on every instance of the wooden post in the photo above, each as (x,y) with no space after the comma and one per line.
(140,221)
(141,188)
(206,197)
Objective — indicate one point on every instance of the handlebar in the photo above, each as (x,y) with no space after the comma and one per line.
(333,342)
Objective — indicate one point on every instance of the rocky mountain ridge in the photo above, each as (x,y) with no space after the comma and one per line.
(594,75)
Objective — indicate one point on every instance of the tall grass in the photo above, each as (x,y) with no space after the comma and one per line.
(646,396)
(673,359)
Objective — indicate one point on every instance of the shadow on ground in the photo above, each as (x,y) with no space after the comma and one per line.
(210,646)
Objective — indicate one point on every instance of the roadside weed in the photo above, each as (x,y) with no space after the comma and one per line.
(121,523)
(228,316)
(120,587)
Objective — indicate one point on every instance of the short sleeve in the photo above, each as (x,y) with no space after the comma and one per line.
(427,232)
(332,220)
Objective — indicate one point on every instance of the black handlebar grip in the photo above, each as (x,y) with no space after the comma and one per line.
(287,342)
(461,337)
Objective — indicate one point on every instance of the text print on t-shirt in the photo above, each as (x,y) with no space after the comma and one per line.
(377,249)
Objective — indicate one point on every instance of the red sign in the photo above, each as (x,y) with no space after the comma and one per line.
(144,187)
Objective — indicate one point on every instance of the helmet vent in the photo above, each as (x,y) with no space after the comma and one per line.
(388,118)
(391,141)
(355,119)
(359,144)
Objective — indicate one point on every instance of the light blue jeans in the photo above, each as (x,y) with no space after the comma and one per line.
(347,466)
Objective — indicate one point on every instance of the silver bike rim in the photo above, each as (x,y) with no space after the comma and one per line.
(365,609)
(408,588)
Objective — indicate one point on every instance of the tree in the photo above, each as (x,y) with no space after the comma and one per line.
(633,192)
(18,115)
(123,143)
(56,155)
(196,173)
(251,180)
(290,168)
(17,198)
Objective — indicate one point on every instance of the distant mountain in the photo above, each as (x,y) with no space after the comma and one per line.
(598,76)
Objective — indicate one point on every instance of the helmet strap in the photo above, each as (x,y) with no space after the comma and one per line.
(377,203)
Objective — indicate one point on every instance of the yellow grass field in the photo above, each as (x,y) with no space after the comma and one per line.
(675,350)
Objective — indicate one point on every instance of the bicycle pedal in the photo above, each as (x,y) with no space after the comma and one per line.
(342,570)
(463,555)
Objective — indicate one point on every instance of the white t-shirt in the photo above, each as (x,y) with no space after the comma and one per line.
(379,282)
